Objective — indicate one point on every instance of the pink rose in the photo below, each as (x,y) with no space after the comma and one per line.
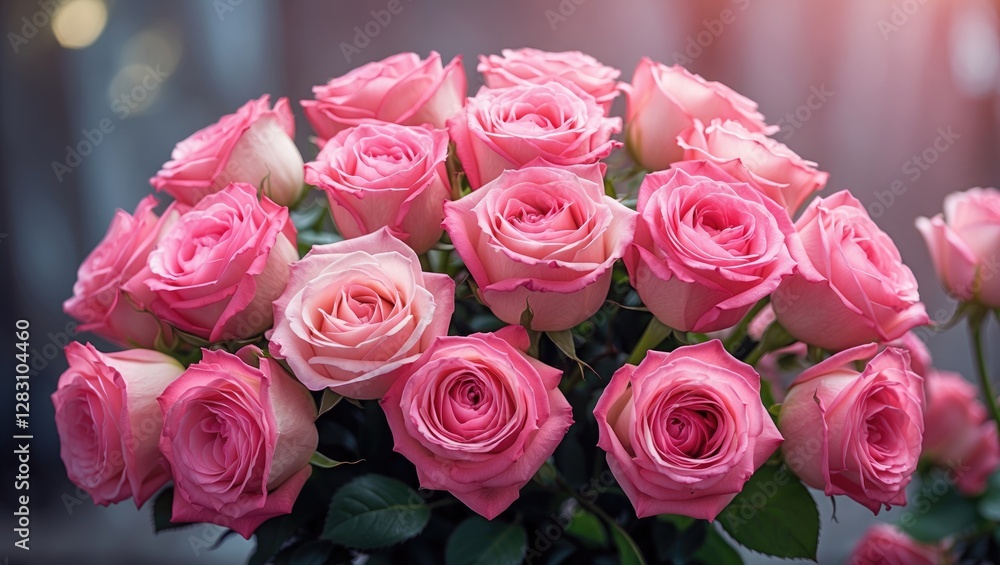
(782,175)
(856,433)
(850,285)
(685,430)
(109,423)
(541,237)
(522,66)
(255,145)
(958,435)
(217,270)
(707,247)
(507,128)
(884,544)
(965,245)
(357,312)
(664,101)
(238,432)
(99,301)
(920,356)
(478,417)
(378,175)
(401,89)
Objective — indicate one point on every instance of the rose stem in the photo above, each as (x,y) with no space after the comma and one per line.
(654,335)
(976,323)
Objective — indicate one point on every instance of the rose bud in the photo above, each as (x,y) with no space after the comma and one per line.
(255,145)
(478,417)
(543,238)
(664,101)
(782,175)
(99,301)
(522,66)
(707,247)
(884,544)
(401,89)
(385,175)
(856,433)
(238,432)
(507,128)
(109,422)
(685,430)
(965,245)
(850,285)
(357,312)
(216,271)
(958,434)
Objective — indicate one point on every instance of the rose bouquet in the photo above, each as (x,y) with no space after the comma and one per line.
(472,329)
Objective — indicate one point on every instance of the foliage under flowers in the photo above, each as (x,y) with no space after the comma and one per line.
(438,356)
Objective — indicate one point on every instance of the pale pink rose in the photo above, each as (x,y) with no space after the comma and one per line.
(850,285)
(685,430)
(507,128)
(255,145)
(357,312)
(521,66)
(781,174)
(401,89)
(965,245)
(920,356)
(885,544)
(707,247)
(99,301)
(856,433)
(478,417)
(958,434)
(109,422)
(238,432)
(218,268)
(541,237)
(385,175)
(664,101)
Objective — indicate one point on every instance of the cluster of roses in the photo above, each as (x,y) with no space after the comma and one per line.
(523,200)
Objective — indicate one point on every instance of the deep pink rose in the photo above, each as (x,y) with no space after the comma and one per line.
(109,422)
(685,430)
(385,175)
(707,247)
(965,245)
(357,312)
(401,89)
(478,417)
(99,301)
(238,432)
(920,356)
(521,66)
(664,101)
(255,145)
(885,544)
(216,271)
(541,237)
(856,433)
(957,433)
(782,175)
(507,128)
(850,285)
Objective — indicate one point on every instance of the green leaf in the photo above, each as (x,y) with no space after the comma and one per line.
(312,553)
(477,541)
(628,551)
(163,510)
(272,535)
(775,515)
(374,511)
(564,341)
(989,503)
(717,551)
(938,511)
(329,400)
(609,188)
(680,522)
(324,462)
(587,528)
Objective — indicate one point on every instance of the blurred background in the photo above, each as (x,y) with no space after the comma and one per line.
(95,93)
